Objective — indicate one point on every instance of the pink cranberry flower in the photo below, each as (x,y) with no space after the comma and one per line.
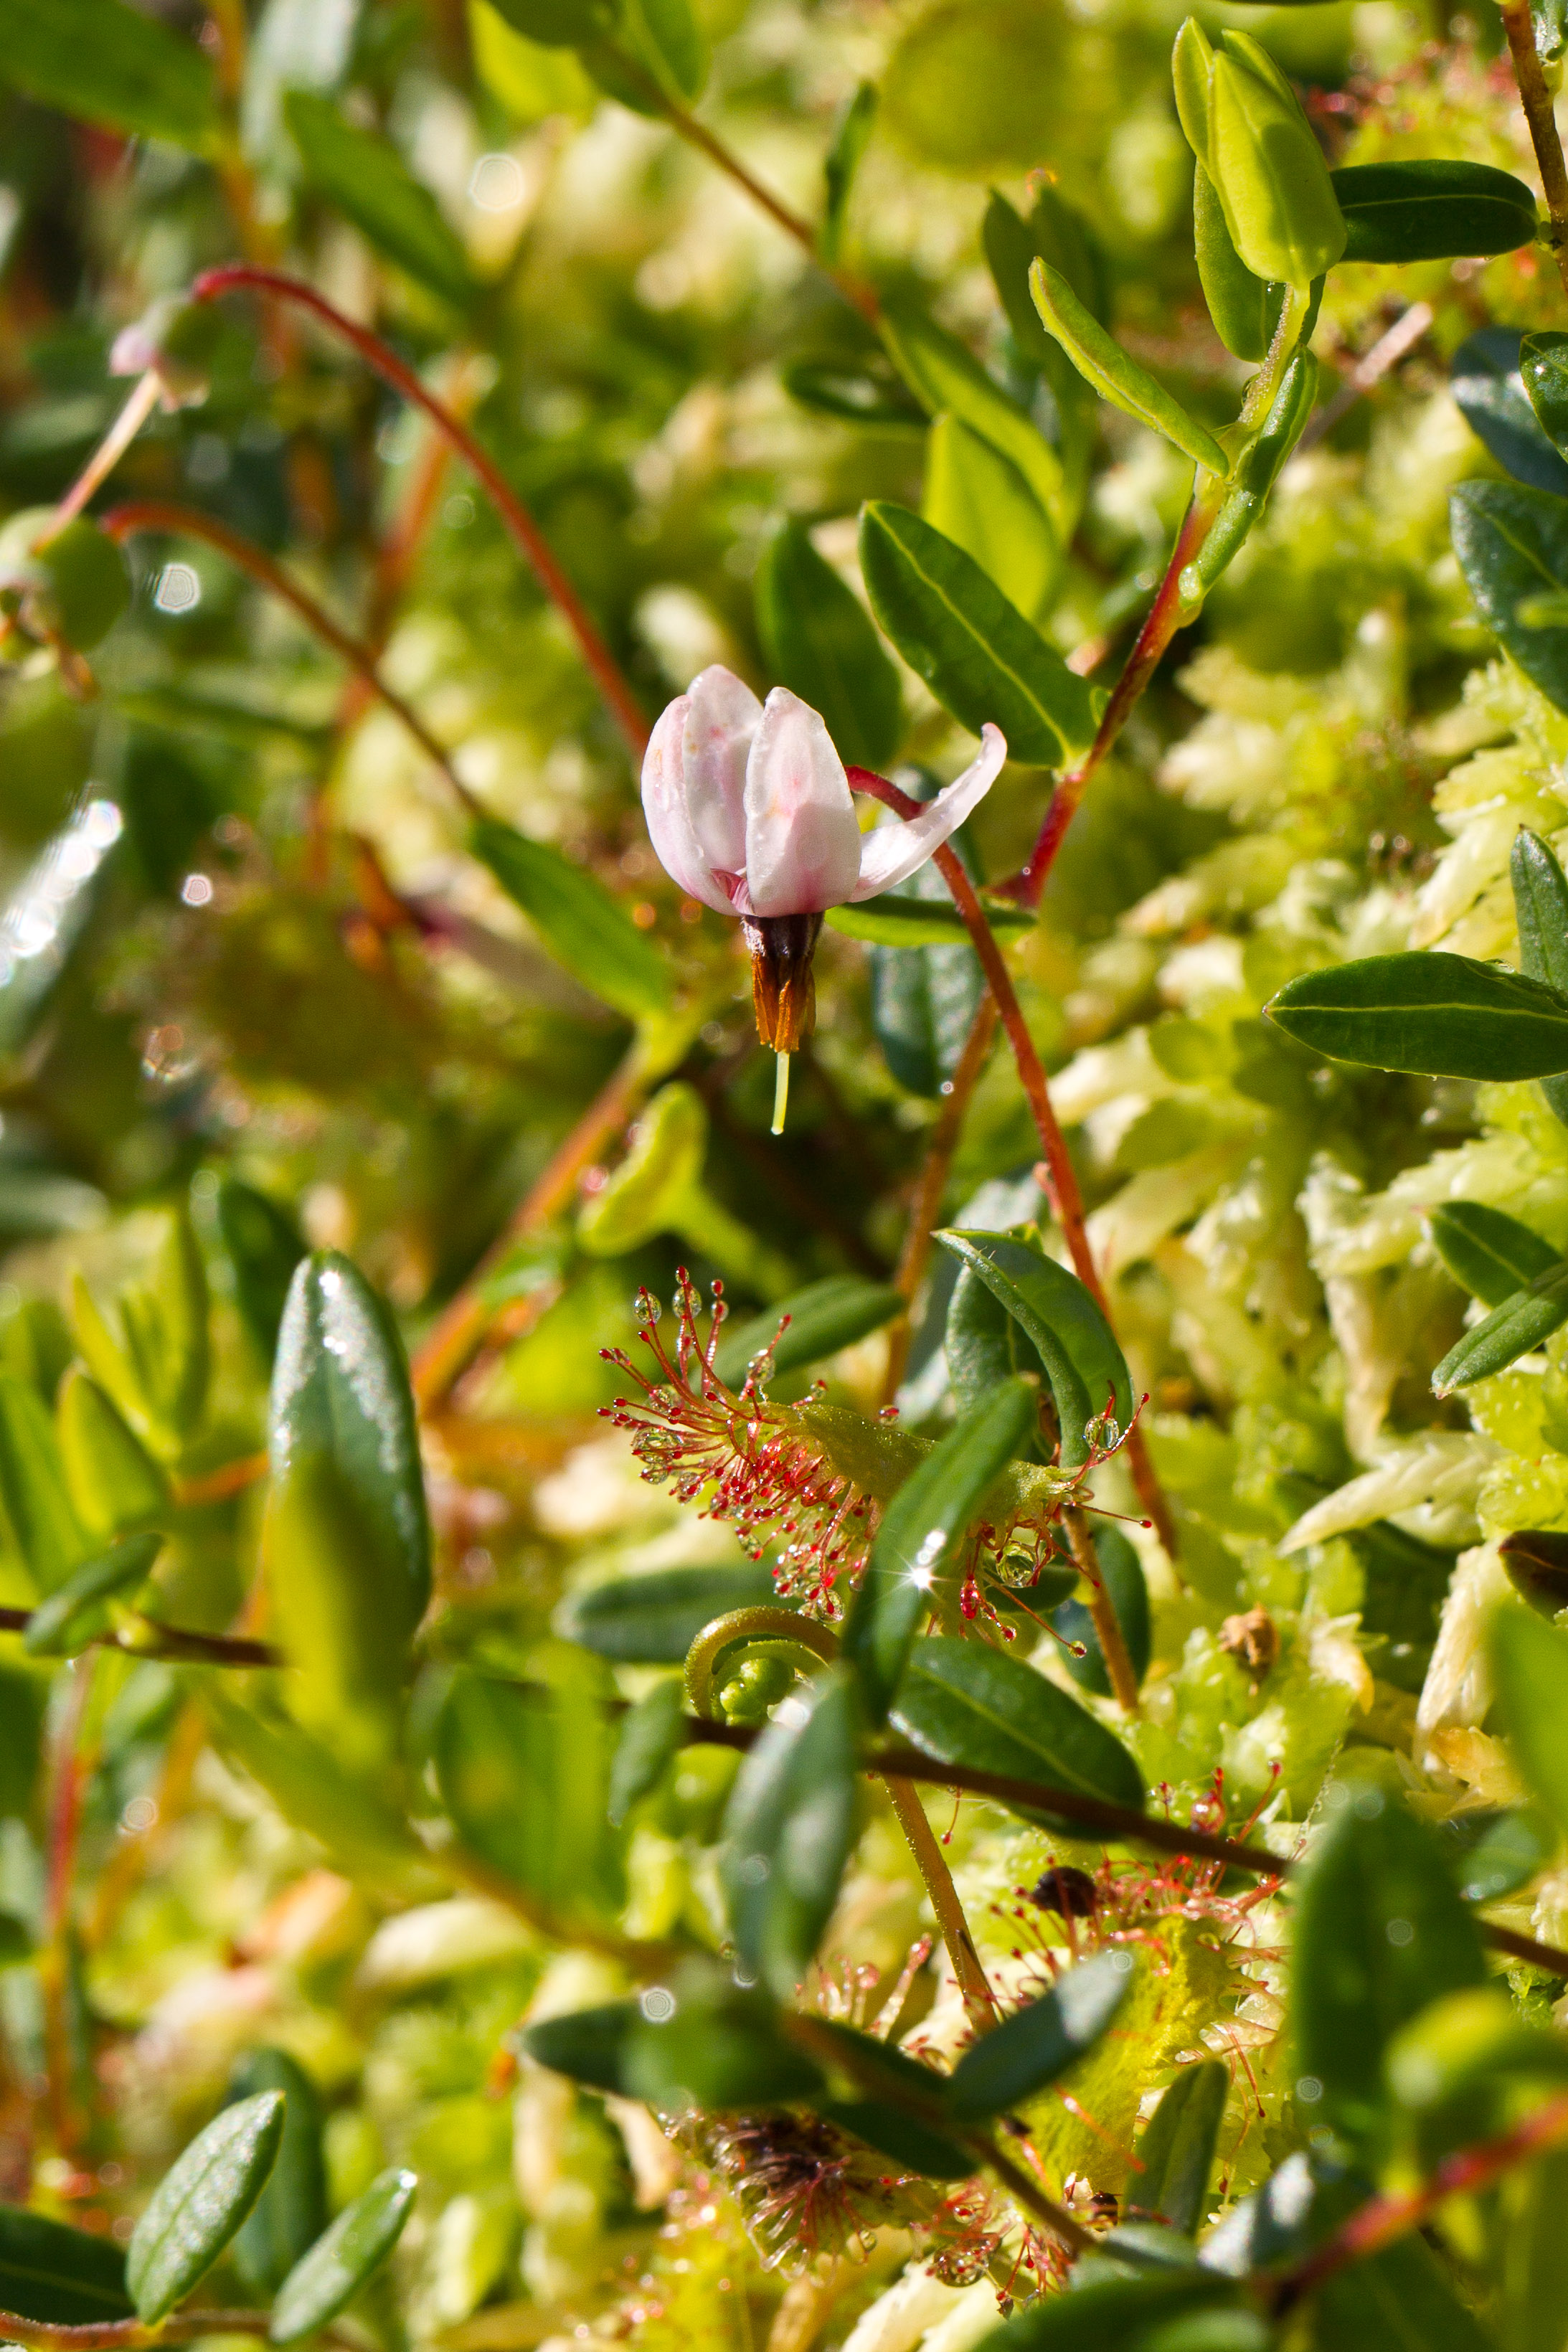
(748,808)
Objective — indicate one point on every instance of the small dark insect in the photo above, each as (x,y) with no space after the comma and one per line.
(1069,1893)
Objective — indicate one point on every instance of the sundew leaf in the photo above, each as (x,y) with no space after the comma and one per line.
(1440,1015)
(822,1317)
(1177,2148)
(1039,2042)
(1510,1331)
(367,180)
(327,2278)
(965,1705)
(1380,1931)
(1058,1316)
(788,1829)
(1512,545)
(585,930)
(821,642)
(1491,1252)
(922,1532)
(653,1620)
(197,2206)
(975,650)
(290,2213)
(77,1612)
(109,64)
(61,2276)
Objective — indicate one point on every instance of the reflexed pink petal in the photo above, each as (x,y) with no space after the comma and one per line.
(803,845)
(721,718)
(670,829)
(894,851)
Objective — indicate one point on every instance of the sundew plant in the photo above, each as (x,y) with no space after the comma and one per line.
(783,1175)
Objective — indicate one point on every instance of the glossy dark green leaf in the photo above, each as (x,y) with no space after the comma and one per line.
(18,1946)
(1122,1573)
(1107,369)
(584,928)
(1433,209)
(328,2277)
(966,1705)
(1059,1318)
(1444,1015)
(1536,1562)
(975,651)
(347,1542)
(923,1001)
(59,2276)
(1398,2297)
(1532,2247)
(1038,2043)
(524,1775)
(1496,1849)
(702,2040)
(1485,380)
(984,1344)
(1510,1331)
(820,642)
(77,1612)
(1054,231)
(558,24)
(923,1534)
(1176,2148)
(1487,1251)
(649,1740)
(653,1620)
(1380,1931)
(1138,2314)
(45,1528)
(587,2044)
(788,1830)
(912,2145)
(290,2213)
(924,922)
(1512,546)
(822,1317)
(843,161)
(1543,372)
(109,64)
(660,43)
(198,2205)
(264,1246)
(1245,308)
(1530,1674)
(367,179)
(1541,907)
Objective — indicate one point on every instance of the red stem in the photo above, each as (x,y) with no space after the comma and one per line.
(601,662)
(1062,1176)
(189,523)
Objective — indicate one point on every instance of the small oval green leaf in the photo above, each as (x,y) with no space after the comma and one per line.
(890,922)
(1434,209)
(322,2281)
(969,1706)
(1245,308)
(264,1246)
(291,2211)
(1059,1318)
(196,2209)
(1038,2044)
(78,1612)
(820,642)
(1511,542)
(1122,1573)
(822,1317)
(1530,1673)
(1177,2149)
(1510,1331)
(653,1620)
(1441,1015)
(58,2275)
(788,1829)
(365,176)
(975,650)
(1491,1252)
(945,375)
(650,1737)
(106,63)
(1103,364)
(922,1532)
(585,930)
